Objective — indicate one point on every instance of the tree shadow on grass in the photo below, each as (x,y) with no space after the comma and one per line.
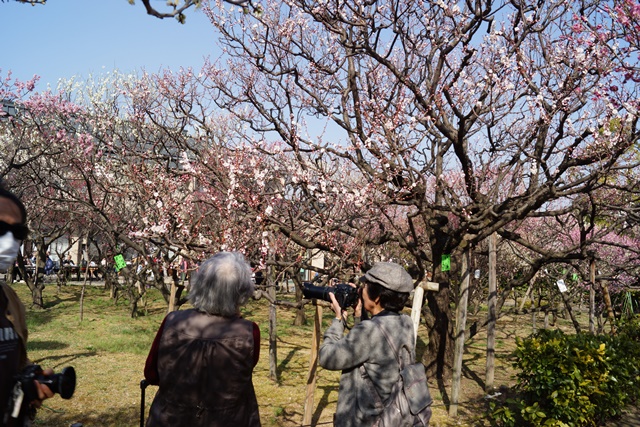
(323,403)
(37,318)
(285,362)
(471,373)
(154,311)
(63,359)
(36,345)
(127,416)
(57,300)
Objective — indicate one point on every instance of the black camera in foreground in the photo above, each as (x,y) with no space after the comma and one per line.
(346,295)
(63,383)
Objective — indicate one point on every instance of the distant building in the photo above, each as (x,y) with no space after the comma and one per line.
(8,108)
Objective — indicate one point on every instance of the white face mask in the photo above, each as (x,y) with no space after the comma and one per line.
(9,248)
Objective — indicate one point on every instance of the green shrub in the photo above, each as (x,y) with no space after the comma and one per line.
(571,380)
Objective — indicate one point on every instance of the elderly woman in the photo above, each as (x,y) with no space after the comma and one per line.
(203,358)
(365,351)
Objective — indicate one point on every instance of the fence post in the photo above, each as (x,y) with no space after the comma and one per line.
(313,365)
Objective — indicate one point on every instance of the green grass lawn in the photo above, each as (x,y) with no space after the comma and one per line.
(108,349)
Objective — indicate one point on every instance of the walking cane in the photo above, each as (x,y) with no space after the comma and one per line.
(143,386)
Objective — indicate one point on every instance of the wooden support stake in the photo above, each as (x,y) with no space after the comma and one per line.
(607,303)
(172,296)
(592,296)
(416,308)
(461,321)
(491,320)
(273,342)
(313,366)
(526,295)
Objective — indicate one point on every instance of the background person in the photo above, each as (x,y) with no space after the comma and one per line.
(16,274)
(13,339)
(203,358)
(385,291)
(93,270)
(48,265)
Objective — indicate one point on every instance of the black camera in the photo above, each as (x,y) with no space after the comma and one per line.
(63,383)
(346,295)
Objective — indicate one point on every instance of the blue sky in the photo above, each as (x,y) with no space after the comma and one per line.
(64,38)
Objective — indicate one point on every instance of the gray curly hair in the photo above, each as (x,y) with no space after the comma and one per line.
(222,284)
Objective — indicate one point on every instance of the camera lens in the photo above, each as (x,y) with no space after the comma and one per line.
(63,383)
(67,382)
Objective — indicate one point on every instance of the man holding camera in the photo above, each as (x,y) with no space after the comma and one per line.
(13,328)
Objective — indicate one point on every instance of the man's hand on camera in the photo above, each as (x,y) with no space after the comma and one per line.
(44,392)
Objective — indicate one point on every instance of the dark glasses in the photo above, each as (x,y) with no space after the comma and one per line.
(19,231)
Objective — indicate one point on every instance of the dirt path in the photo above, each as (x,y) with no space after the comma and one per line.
(630,419)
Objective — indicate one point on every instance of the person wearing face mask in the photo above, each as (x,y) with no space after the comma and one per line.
(13,328)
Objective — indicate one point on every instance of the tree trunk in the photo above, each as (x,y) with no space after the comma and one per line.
(301,317)
(546,318)
(438,359)
(177,286)
(36,294)
(37,284)
(133,305)
(133,289)
(108,280)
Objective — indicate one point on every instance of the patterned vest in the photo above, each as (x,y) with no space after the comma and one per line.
(205,364)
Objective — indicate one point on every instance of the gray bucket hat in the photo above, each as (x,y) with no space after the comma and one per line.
(389,275)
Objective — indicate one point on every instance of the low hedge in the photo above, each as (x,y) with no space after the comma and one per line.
(571,380)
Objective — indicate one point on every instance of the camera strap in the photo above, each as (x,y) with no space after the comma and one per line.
(17,395)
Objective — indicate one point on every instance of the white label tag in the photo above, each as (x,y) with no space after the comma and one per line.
(561,286)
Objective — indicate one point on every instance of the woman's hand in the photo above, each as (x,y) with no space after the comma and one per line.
(335,306)
(357,310)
